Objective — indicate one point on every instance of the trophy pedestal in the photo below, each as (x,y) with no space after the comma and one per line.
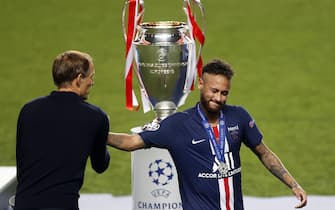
(154,179)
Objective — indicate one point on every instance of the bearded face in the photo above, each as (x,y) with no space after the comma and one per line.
(214,90)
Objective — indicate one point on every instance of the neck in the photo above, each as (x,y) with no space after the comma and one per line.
(67,89)
(213,118)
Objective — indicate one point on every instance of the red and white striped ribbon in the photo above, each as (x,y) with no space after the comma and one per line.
(134,8)
(197,34)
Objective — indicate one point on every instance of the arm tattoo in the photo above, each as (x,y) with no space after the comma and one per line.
(275,166)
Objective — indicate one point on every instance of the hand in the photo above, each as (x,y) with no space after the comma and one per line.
(301,196)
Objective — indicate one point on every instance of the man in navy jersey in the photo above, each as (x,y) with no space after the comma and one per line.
(204,143)
(55,136)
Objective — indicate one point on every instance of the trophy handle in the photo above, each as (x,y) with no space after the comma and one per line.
(139,16)
(202,13)
(196,34)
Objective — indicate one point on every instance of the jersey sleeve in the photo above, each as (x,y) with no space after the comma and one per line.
(100,156)
(251,134)
(162,137)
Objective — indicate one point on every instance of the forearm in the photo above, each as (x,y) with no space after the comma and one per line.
(276,167)
(126,142)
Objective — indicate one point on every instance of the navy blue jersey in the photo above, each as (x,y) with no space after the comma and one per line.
(201,185)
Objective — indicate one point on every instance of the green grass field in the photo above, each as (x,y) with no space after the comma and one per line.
(283,53)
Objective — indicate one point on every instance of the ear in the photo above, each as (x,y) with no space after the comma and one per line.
(200,83)
(78,80)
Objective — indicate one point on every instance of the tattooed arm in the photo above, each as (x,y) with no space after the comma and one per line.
(126,142)
(275,166)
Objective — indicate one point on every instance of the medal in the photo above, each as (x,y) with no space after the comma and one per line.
(223,168)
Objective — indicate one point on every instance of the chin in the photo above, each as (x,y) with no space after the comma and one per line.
(214,108)
(213,111)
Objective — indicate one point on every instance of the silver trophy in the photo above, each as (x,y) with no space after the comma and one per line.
(162,59)
(165,62)
(165,58)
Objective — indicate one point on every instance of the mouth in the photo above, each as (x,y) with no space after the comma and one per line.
(213,103)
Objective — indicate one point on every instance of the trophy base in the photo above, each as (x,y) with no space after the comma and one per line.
(147,189)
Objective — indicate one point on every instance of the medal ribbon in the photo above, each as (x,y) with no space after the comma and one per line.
(218,146)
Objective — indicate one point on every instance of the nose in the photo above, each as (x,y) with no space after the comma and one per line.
(217,97)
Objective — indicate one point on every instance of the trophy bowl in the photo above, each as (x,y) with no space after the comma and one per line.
(162,58)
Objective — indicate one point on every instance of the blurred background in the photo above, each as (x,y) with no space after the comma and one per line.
(283,54)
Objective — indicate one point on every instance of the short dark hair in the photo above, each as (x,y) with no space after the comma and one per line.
(68,65)
(217,66)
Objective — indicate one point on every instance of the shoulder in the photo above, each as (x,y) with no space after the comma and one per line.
(175,118)
(31,109)
(94,110)
(237,113)
(181,116)
(36,102)
(234,109)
